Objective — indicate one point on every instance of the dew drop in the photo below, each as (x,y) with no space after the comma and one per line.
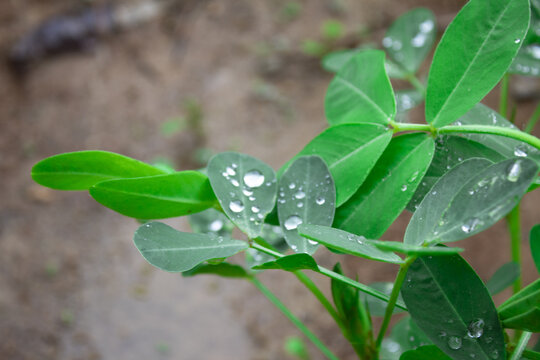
(253,179)
(442,335)
(350,237)
(247,192)
(251,198)
(236,206)
(470,225)
(215,225)
(292,186)
(320,200)
(230,171)
(414,176)
(434,193)
(426,26)
(454,343)
(294,247)
(475,329)
(514,171)
(300,194)
(387,42)
(255,209)
(313,242)
(494,354)
(235,183)
(360,240)
(260,216)
(517,41)
(300,204)
(403,187)
(519,151)
(281,194)
(419,40)
(292,222)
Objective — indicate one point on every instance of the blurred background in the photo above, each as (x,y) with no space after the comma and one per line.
(171,82)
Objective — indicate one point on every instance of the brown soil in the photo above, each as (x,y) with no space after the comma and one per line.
(72,285)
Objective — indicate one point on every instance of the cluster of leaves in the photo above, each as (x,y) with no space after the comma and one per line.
(459,173)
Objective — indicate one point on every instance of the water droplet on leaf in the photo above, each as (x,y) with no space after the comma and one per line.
(292,222)
(514,171)
(253,179)
(215,225)
(475,329)
(236,206)
(454,343)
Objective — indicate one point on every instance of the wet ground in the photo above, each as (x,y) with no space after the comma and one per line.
(72,285)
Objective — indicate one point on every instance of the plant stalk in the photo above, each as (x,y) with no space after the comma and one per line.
(514,227)
(533,120)
(520,347)
(277,303)
(400,277)
(503,99)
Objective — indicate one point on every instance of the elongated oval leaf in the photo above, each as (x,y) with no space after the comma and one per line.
(474,53)
(307,195)
(388,188)
(223,269)
(450,151)
(361,92)
(409,249)
(350,151)
(521,303)
(347,242)
(410,38)
(82,169)
(175,251)
(535,245)
(470,198)
(428,352)
(290,263)
(156,197)
(528,321)
(507,147)
(245,188)
(450,303)
(334,61)
(503,277)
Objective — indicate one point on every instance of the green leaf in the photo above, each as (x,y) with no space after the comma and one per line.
(307,195)
(211,221)
(528,321)
(428,352)
(474,53)
(450,151)
(377,307)
(245,188)
(527,61)
(470,198)
(388,188)
(450,303)
(293,262)
(345,147)
(405,336)
(223,269)
(175,251)
(347,242)
(409,249)
(156,197)
(82,169)
(410,38)
(507,147)
(535,245)
(334,61)
(503,277)
(361,92)
(521,305)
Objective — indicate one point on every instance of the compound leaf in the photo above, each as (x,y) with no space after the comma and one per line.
(82,169)
(175,251)
(474,53)
(293,262)
(223,269)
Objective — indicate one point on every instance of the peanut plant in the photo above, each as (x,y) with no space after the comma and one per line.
(459,172)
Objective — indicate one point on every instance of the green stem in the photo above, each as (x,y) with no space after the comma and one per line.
(514,227)
(533,120)
(529,354)
(503,99)
(277,303)
(400,277)
(520,347)
(331,274)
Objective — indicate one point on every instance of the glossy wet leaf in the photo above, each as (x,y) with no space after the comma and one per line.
(450,303)
(388,188)
(175,251)
(307,195)
(293,262)
(521,308)
(405,335)
(82,169)
(428,352)
(223,269)
(474,53)
(503,277)
(535,245)
(470,198)
(377,307)
(350,151)
(245,188)
(156,197)
(211,221)
(361,92)
(409,249)
(450,151)
(410,38)
(507,147)
(334,61)
(527,61)
(347,242)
